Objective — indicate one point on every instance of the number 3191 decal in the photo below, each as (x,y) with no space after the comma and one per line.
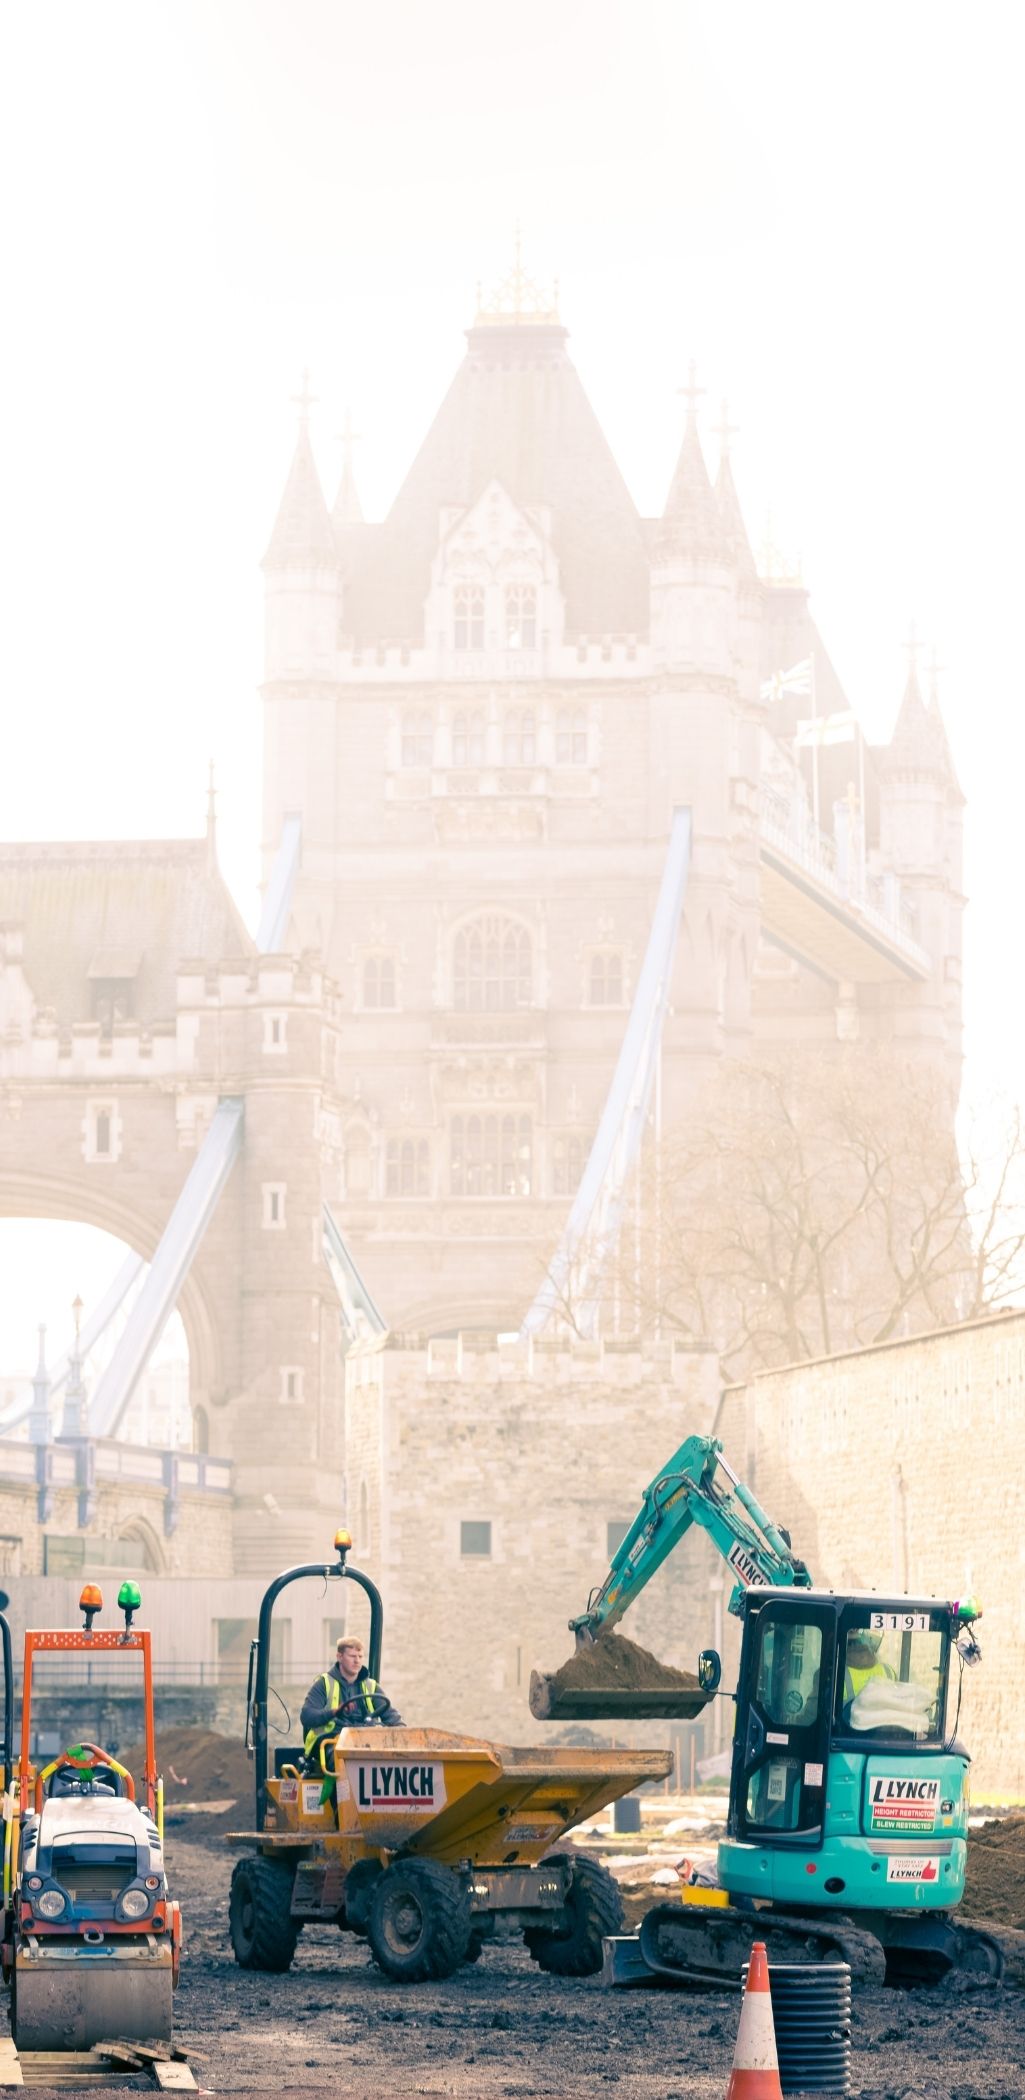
(900,1622)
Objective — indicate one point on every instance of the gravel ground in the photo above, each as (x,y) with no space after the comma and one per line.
(500,2028)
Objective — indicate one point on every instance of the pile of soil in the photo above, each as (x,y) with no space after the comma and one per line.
(620,1664)
(197,1765)
(995,1886)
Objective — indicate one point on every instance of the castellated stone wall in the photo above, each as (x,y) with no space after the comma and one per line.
(902,1467)
(548,1447)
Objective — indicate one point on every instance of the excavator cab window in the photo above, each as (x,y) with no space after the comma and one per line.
(783,1719)
(891,1679)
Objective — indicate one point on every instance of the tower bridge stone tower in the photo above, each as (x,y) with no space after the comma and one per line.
(486,709)
(131,1001)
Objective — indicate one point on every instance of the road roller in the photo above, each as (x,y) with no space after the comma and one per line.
(91,1938)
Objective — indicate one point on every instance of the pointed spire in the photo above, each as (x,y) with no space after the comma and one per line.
(919,743)
(40,1426)
(302,529)
(75,1420)
(730,512)
(690,522)
(348,510)
(938,722)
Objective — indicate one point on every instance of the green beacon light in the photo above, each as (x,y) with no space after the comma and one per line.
(129,1599)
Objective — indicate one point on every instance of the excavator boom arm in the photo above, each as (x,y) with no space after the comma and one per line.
(687,1491)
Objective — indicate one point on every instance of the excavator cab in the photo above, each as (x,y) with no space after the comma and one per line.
(845,1774)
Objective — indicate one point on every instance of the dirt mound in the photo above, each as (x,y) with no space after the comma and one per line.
(995,1885)
(614,1661)
(197,1765)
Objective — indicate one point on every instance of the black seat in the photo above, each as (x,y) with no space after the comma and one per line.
(67,1783)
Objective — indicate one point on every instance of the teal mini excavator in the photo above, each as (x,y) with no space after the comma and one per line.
(848,1812)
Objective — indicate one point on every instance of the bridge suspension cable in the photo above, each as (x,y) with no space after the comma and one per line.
(573,1281)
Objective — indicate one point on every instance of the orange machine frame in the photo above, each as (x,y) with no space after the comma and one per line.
(89,1642)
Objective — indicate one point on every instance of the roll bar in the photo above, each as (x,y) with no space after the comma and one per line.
(259,1655)
(7,1746)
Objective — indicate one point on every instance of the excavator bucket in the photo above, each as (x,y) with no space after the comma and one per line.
(612,1679)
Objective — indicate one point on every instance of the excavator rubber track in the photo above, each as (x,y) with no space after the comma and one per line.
(989,1949)
(705,1944)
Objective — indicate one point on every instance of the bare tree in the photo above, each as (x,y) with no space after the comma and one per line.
(818,1204)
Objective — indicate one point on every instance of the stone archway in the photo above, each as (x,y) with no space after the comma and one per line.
(71,1199)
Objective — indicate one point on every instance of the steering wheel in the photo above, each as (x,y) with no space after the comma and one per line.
(84,1758)
(341,1719)
(353,1711)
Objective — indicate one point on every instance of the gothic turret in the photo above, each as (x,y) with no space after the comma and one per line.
(301,569)
(691,565)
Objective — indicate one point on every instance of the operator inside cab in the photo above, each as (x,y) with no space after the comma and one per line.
(346,1696)
(862,1662)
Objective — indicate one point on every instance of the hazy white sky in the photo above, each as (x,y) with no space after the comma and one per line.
(822,204)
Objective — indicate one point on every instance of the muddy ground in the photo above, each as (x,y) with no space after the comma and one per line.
(502,2031)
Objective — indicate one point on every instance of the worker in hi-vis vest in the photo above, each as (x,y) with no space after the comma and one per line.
(862,1662)
(346,1696)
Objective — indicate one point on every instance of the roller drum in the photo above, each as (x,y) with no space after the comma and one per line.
(69,1995)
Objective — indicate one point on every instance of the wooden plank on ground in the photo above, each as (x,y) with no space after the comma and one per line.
(174,2078)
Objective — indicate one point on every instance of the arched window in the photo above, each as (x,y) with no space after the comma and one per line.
(571,737)
(379,981)
(407,1167)
(567,1165)
(491,1155)
(469,616)
(417,740)
(492,966)
(606,979)
(519,737)
(520,616)
(469,739)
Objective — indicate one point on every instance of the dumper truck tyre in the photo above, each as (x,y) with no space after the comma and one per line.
(263,1931)
(419,1921)
(593,1912)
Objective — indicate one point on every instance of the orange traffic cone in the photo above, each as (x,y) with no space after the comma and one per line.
(755,2073)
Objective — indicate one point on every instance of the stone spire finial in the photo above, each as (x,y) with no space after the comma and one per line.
(40,1425)
(348,510)
(691,393)
(934,668)
(724,431)
(729,503)
(918,748)
(302,530)
(519,299)
(304,400)
(74,1421)
(690,522)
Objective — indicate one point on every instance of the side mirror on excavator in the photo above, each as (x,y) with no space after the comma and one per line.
(709,1669)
